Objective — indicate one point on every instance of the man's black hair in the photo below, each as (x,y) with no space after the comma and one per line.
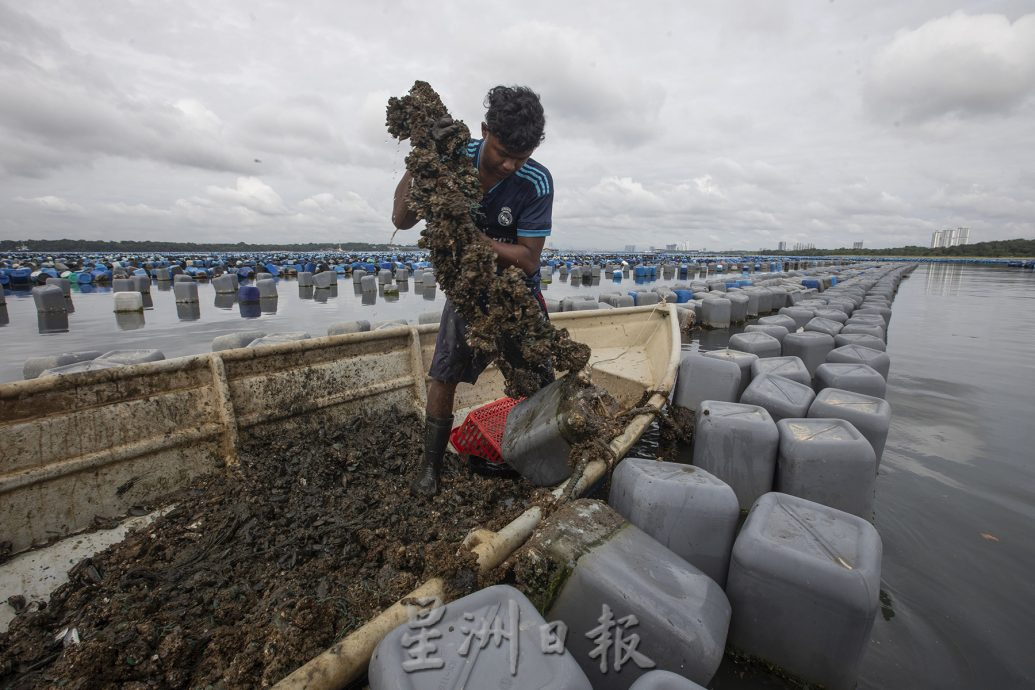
(515,116)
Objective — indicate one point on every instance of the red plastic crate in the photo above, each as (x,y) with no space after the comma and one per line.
(481,434)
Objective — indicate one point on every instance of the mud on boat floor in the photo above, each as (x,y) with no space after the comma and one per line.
(253,574)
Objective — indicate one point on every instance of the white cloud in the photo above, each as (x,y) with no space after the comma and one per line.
(351,210)
(371,117)
(199,117)
(625,195)
(706,185)
(300,127)
(205,214)
(329,204)
(981,201)
(64,103)
(52,204)
(250,193)
(586,86)
(956,66)
(134,210)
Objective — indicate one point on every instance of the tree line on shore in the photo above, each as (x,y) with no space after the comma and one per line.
(996,248)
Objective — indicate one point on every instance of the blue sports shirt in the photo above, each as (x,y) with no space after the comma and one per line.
(519,205)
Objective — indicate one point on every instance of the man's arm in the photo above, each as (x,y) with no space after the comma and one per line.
(525,254)
(402,216)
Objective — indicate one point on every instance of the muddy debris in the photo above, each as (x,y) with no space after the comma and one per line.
(16,602)
(504,321)
(253,573)
(674,425)
(6,548)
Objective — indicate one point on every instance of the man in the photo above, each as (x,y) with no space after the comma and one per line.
(516,217)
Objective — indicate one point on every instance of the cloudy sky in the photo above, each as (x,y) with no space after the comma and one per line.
(725,124)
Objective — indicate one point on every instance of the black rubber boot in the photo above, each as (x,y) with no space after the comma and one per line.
(436,436)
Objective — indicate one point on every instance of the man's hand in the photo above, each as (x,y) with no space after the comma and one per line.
(403,217)
(444,128)
(524,254)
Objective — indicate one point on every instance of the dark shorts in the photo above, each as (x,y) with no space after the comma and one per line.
(455,361)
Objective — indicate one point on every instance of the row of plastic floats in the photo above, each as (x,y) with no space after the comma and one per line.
(650,589)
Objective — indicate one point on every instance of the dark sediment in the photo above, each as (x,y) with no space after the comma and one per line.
(254,573)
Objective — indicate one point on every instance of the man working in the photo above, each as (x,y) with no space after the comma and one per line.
(515,214)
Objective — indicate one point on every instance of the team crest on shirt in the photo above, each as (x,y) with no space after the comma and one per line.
(506,217)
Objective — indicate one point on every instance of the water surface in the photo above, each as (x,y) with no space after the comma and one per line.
(956,490)
(179,330)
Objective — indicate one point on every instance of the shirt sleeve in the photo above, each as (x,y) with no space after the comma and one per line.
(536,219)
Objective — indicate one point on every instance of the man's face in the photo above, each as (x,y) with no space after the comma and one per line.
(497,160)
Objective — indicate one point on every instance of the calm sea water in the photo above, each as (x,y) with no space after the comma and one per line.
(955,502)
(956,491)
(177,330)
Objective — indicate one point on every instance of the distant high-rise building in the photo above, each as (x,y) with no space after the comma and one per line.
(630,248)
(803,246)
(857,245)
(781,247)
(670,247)
(950,237)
